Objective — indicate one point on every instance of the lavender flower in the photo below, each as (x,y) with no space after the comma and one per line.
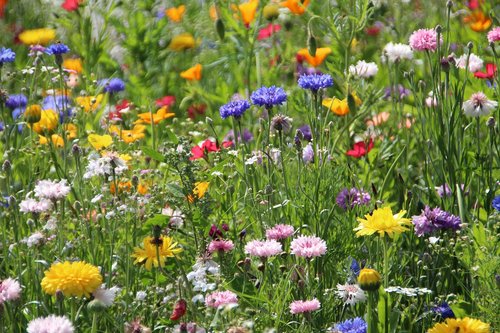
(17,103)
(435,219)
(268,97)
(113,85)
(57,49)
(348,198)
(403,92)
(315,82)
(234,109)
(246,136)
(444,311)
(306,132)
(6,55)
(356,325)
(308,154)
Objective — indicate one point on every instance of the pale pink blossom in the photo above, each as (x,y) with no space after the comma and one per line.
(263,249)
(279,231)
(424,40)
(51,324)
(221,298)
(33,206)
(475,63)
(52,190)
(304,306)
(10,290)
(363,69)
(478,105)
(308,246)
(494,35)
(350,293)
(220,245)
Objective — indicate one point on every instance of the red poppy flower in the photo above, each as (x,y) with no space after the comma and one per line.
(228,144)
(490,73)
(165,101)
(179,310)
(71,5)
(123,106)
(268,31)
(196,109)
(206,147)
(360,149)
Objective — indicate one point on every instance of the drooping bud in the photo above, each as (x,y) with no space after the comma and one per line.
(312,44)
(219,27)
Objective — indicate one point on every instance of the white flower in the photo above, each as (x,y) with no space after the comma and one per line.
(478,105)
(410,292)
(52,190)
(30,205)
(35,239)
(140,295)
(107,296)
(475,63)
(176,216)
(350,293)
(103,166)
(397,52)
(96,198)
(51,224)
(363,69)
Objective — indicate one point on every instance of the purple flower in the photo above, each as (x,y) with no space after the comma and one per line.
(306,132)
(17,103)
(57,49)
(356,325)
(403,92)
(235,109)
(315,82)
(6,55)
(268,97)
(308,154)
(435,219)
(496,203)
(444,311)
(246,136)
(113,85)
(348,198)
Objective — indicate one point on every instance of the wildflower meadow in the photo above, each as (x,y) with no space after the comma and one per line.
(249,166)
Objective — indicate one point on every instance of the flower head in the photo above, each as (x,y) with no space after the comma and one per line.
(221,299)
(234,109)
(263,249)
(33,206)
(200,151)
(160,115)
(350,293)
(297,7)
(478,105)
(474,62)
(496,203)
(297,307)
(37,36)
(50,324)
(444,311)
(72,279)
(315,82)
(280,122)
(175,14)
(268,31)
(154,249)
(397,52)
(10,290)
(349,198)
(434,219)
(363,69)
(355,325)
(494,35)
(279,232)
(319,57)
(57,49)
(308,246)
(491,71)
(247,10)
(360,148)
(193,73)
(6,55)
(182,42)
(113,85)
(424,40)
(268,96)
(478,21)
(220,245)
(382,221)
(462,325)
(369,279)
(52,190)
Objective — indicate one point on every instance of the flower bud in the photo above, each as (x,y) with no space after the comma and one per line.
(96,306)
(369,279)
(491,122)
(271,11)
(470,45)
(219,27)
(6,166)
(311,44)
(33,114)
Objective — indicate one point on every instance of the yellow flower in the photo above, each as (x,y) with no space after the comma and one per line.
(321,54)
(382,221)
(73,64)
(148,255)
(247,11)
(160,115)
(37,36)
(71,131)
(72,279)
(182,42)
(212,12)
(461,325)
(340,107)
(176,13)
(369,279)
(100,141)
(56,139)
(89,103)
(129,136)
(33,114)
(297,7)
(49,119)
(200,188)
(193,73)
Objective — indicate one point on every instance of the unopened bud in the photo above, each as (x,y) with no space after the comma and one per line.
(491,122)
(470,45)
(449,4)
(6,166)
(271,11)
(439,29)
(219,27)
(96,306)
(311,44)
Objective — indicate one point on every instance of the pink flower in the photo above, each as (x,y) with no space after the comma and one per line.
(221,298)
(304,306)
(220,245)
(494,35)
(52,190)
(308,246)
(9,290)
(50,324)
(263,249)
(279,231)
(32,206)
(268,31)
(424,40)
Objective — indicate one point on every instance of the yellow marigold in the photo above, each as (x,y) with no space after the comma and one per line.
(148,255)
(461,325)
(72,279)
(100,141)
(369,279)
(193,73)
(176,13)
(200,188)
(89,103)
(321,54)
(41,36)
(49,119)
(382,221)
(56,139)
(182,42)
(73,64)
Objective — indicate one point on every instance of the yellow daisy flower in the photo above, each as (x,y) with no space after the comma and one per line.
(382,221)
(41,36)
(100,141)
(148,257)
(72,279)
(461,325)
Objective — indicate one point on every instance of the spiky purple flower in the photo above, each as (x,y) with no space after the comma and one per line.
(268,97)
(348,198)
(315,82)
(57,49)
(113,85)
(234,109)
(356,325)
(444,311)
(435,219)
(6,55)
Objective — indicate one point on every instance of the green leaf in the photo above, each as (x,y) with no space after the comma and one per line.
(158,219)
(175,190)
(153,153)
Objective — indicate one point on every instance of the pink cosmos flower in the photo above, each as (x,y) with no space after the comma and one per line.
(304,306)
(494,35)
(52,190)
(220,245)
(32,206)
(9,290)
(308,246)
(424,40)
(221,298)
(279,231)
(263,249)
(50,324)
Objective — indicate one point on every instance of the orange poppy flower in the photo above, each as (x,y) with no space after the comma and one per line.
(56,139)
(297,7)
(213,13)
(200,188)
(247,11)
(124,186)
(193,73)
(478,21)
(321,54)
(340,107)
(160,115)
(176,13)
(142,188)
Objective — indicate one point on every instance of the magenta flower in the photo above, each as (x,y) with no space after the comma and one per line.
(308,246)
(10,290)
(221,298)
(304,306)
(263,249)
(424,40)
(220,245)
(494,35)
(279,231)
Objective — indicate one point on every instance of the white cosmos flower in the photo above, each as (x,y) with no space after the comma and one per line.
(478,105)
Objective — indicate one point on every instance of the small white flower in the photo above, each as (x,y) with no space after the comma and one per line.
(350,293)
(397,52)
(410,292)
(475,63)
(363,69)
(96,198)
(478,105)
(106,296)
(35,239)
(140,295)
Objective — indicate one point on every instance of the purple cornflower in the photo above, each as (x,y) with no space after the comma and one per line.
(57,49)
(348,198)
(444,311)
(17,103)
(496,203)
(6,55)
(308,154)
(315,82)
(268,97)
(403,92)
(113,85)
(306,132)
(246,136)
(234,109)
(434,219)
(356,325)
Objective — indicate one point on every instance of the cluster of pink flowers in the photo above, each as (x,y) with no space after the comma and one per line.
(279,232)
(308,246)
(494,35)
(297,307)
(424,40)
(52,190)
(10,290)
(30,205)
(220,245)
(263,249)
(52,323)
(221,298)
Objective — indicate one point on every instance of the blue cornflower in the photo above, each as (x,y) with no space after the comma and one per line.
(6,55)
(356,325)
(17,103)
(234,108)
(355,268)
(112,85)
(315,82)
(57,49)
(268,97)
(496,203)
(444,311)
